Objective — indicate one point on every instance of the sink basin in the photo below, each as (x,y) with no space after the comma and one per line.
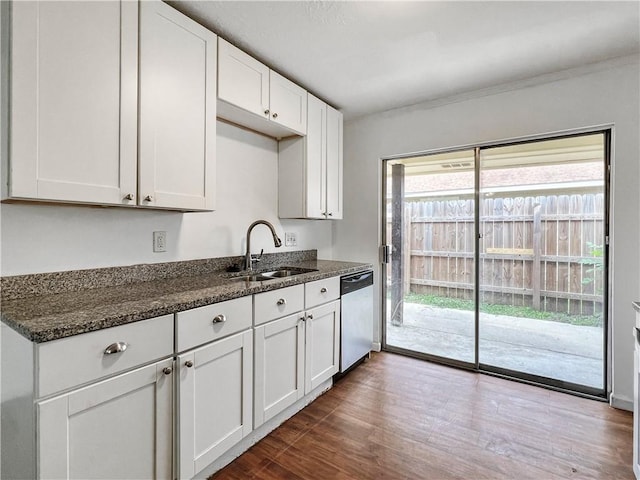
(273,274)
(250,278)
(287,272)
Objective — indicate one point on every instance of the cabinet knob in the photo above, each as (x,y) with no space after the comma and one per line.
(115,348)
(219,318)
(188,364)
(323,290)
(330,214)
(303,318)
(309,317)
(266,112)
(167,370)
(148,198)
(275,115)
(128,196)
(282,301)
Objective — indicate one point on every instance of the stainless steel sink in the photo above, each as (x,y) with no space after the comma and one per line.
(287,272)
(272,274)
(250,278)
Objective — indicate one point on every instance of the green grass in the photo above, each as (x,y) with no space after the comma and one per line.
(509,310)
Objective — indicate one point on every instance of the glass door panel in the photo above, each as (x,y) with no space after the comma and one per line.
(541,261)
(430,215)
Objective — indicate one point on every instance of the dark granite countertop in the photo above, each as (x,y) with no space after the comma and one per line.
(42,318)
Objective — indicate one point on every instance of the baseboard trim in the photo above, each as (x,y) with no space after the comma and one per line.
(376,346)
(621,403)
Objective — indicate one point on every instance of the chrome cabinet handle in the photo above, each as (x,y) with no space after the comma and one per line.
(188,364)
(167,370)
(148,198)
(115,348)
(275,115)
(323,290)
(282,301)
(266,112)
(219,318)
(310,317)
(128,196)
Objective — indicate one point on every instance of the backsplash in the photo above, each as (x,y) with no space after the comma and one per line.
(20,286)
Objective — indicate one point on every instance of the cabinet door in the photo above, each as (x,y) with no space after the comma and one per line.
(278,366)
(334,163)
(316,159)
(215,397)
(322,353)
(177,110)
(74,101)
(288,103)
(118,428)
(242,80)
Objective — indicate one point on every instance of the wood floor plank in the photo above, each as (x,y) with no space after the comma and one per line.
(398,418)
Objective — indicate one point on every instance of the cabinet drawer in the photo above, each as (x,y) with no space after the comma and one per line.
(278,303)
(321,291)
(75,360)
(201,325)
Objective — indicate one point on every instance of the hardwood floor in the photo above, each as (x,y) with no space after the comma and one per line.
(396,417)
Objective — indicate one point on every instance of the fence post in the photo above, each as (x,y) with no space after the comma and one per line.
(535,268)
(397,243)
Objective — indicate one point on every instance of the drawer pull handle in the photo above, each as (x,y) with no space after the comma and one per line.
(115,348)
(323,290)
(282,301)
(167,370)
(309,317)
(188,364)
(219,318)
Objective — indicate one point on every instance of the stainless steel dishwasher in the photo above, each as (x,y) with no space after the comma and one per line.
(356,310)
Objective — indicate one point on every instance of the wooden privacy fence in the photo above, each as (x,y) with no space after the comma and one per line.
(539,251)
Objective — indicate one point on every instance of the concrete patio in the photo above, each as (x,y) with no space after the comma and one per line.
(551,349)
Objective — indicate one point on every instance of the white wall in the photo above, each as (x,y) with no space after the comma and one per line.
(604,96)
(41,238)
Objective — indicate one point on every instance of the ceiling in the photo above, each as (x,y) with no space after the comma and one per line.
(370,56)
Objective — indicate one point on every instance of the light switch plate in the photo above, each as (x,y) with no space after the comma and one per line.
(290,239)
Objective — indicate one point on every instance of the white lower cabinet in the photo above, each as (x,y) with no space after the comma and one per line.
(215,394)
(119,428)
(279,366)
(322,346)
(293,356)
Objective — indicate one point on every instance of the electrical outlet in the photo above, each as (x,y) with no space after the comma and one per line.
(290,239)
(159,241)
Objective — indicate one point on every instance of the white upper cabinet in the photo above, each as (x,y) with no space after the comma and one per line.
(288,103)
(85,127)
(310,168)
(177,110)
(242,80)
(254,96)
(74,101)
(334,163)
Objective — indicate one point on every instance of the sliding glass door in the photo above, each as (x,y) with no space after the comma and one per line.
(542,239)
(430,228)
(498,259)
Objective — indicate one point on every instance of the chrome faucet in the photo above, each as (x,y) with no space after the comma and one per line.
(276,241)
